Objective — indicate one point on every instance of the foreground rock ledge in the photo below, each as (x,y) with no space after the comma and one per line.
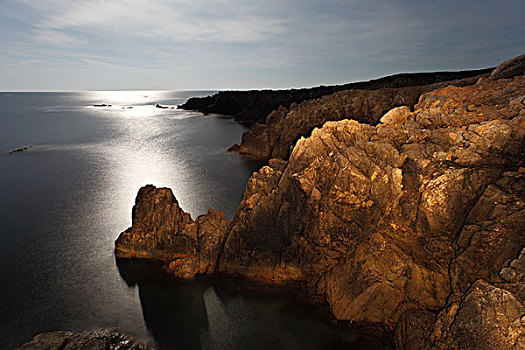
(98,339)
(416,224)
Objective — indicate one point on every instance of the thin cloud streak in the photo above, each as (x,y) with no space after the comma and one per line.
(183,44)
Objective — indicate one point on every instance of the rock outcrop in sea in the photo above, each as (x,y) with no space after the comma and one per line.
(254,106)
(415,225)
(163,231)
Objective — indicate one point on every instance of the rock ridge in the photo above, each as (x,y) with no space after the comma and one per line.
(254,106)
(284,126)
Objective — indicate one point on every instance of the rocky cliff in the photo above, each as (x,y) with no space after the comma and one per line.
(285,126)
(416,224)
(254,106)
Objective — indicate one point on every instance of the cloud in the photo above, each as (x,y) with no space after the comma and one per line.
(239,43)
(215,21)
(56,38)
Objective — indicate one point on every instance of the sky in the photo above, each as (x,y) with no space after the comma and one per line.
(233,44)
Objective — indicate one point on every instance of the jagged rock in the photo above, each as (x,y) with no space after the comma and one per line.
(515,272)
(485,317)
(510,68)
(380,220)
(254,106)
(161,230)
(99,339)
(284,126)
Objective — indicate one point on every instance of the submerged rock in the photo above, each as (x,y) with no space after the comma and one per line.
(99,339)
(21,149)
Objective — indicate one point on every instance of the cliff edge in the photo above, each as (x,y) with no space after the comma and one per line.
(254,106)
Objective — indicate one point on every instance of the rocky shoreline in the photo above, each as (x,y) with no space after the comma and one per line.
(414,224)
(254,106)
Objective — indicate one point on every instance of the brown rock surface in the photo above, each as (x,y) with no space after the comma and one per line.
(380,220)
(284,126)
(417,224)
(483,318)
(254,106)
(93,340)
(510,68)
(161,230)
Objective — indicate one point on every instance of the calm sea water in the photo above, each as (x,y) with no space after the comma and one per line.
(64,201)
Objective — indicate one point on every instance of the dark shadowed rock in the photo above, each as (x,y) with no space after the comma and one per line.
(93,340)
(510,68)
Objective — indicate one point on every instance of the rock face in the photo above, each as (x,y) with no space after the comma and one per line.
(416,224)
(285,126)
(161,230)
(254,106)
(92,340)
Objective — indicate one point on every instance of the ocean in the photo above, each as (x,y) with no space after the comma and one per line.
(65,199)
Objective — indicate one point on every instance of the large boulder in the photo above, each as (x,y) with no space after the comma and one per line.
(377,221)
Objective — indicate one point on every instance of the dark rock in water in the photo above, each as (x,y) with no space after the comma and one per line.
(254,106)
(99,339)
(101,105)
(161,107)
(21,149)
(415,225)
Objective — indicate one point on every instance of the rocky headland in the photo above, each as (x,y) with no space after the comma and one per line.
(412,221)
(254,106)
(284,126)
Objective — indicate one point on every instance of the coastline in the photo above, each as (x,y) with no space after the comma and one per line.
(281,232)
(410,224)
